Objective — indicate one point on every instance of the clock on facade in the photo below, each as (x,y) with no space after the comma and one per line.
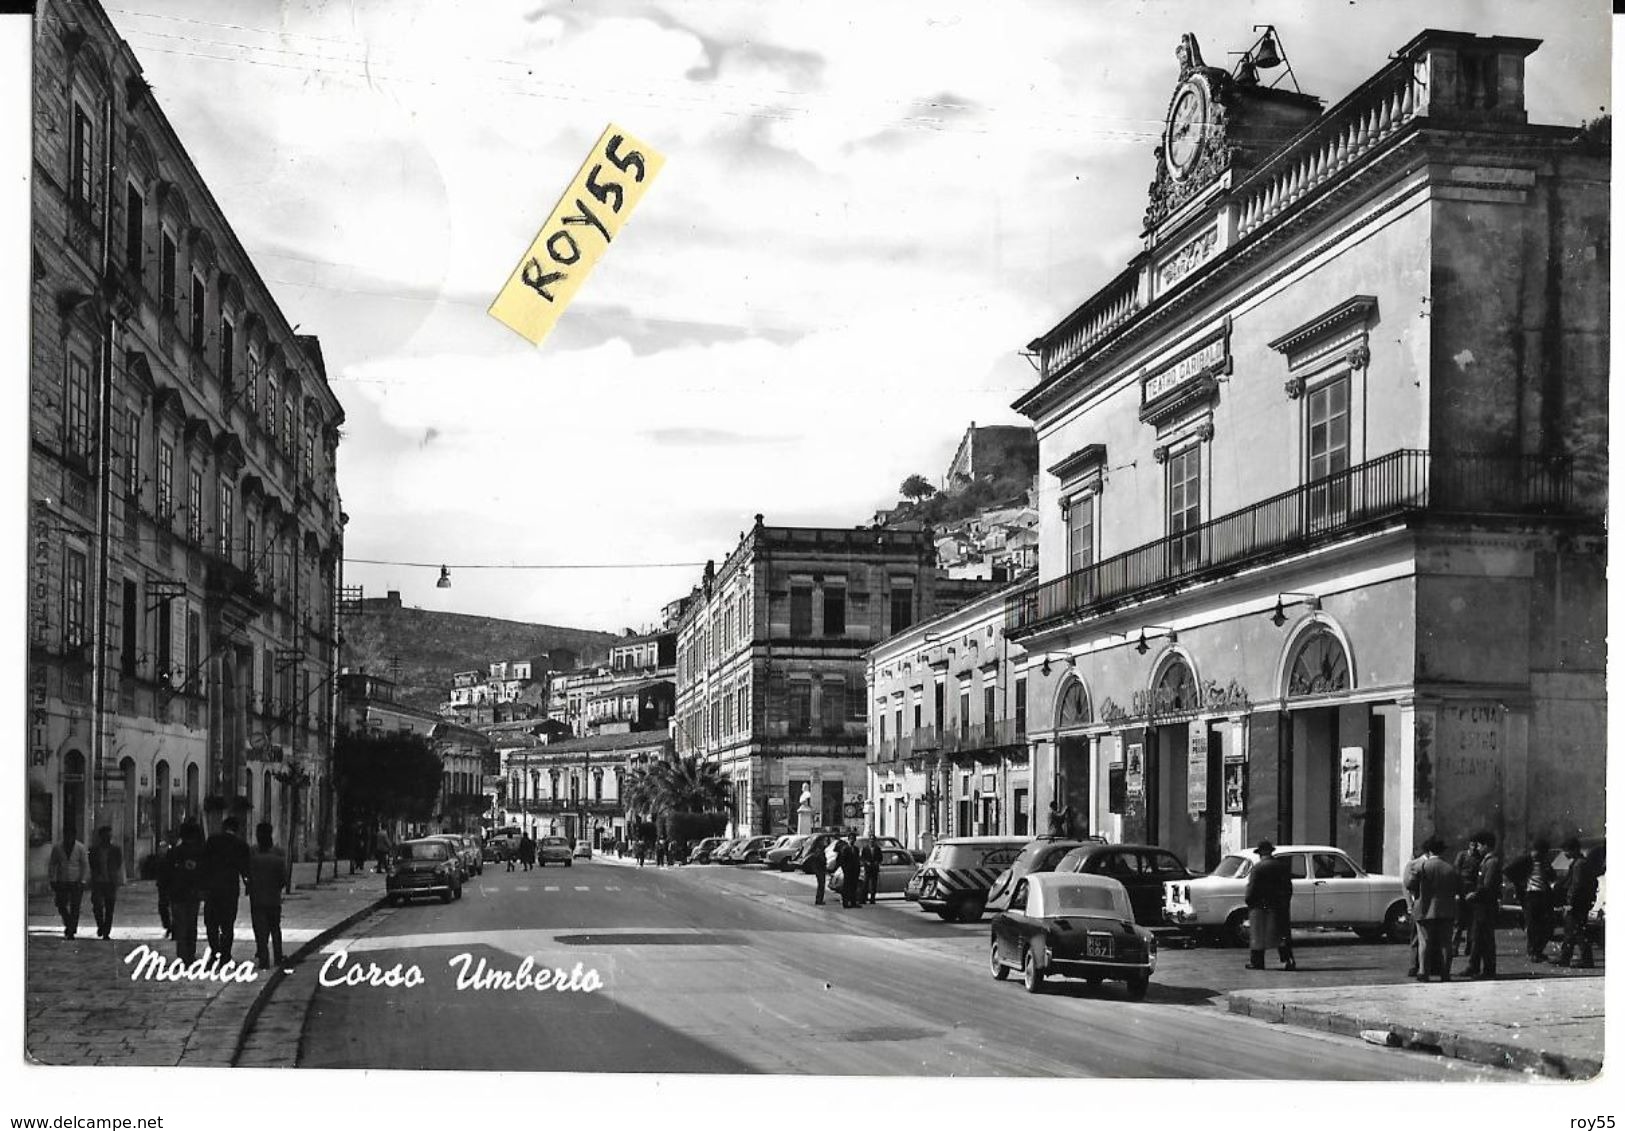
(1187,128)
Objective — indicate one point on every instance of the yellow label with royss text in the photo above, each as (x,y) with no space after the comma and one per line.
(586,220)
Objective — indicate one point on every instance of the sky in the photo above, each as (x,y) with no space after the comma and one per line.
(867,210)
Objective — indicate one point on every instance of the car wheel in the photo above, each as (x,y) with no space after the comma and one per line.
(967,909)
(1000,970)
(1236,931)
(393,900)
(1137,985)
(1092,981)
(445,896)
(457,893)
(1031,976)
(946,914)
(1396,925)
(567,863)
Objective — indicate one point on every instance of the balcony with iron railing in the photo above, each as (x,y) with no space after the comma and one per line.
(1325,510)
(574,805)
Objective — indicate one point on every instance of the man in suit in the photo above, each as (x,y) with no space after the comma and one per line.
(820,873)
(1269,908)
(870,859)
(225,857)
(187,882)
(1483,907)
(1580,887)
(1436,887)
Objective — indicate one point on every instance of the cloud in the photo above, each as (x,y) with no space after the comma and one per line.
(706,437)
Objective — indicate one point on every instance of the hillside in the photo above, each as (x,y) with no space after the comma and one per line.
(432,645)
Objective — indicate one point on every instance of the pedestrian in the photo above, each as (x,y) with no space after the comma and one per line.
(639,850)
(1467,865)
(527,853)
(1483,908)
(870,859)
(1532,878)
(358,847)
(1406,876)
(820,871)
(1269,908)
(186,886)
(160,871)
(1580,889)
(225,870)
(68,871)
(660,852)
(620,845)
(106,874)
(380,848)
(267,874)
(1435,886)
(851,874)
(1060,820)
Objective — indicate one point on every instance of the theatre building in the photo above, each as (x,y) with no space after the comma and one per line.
(1321,543)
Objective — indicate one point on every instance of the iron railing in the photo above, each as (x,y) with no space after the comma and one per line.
(1324,509)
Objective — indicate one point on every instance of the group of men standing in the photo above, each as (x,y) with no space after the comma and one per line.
(859,868)
(193,875)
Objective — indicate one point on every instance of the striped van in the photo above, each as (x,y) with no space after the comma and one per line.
(955,878)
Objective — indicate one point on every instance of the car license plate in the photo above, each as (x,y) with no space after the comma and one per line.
(1099,948)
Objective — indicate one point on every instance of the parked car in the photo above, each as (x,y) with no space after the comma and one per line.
(780,857)
(1328,890)
(956,876)
(459,854)
(494,851)
(474,852)
(747,850)
(553,850)
(508,837)
(819,841)
(1075,925)
(897,868)
(583,851)
(1142,869)
(701,852)
(423,867)
(1041,854)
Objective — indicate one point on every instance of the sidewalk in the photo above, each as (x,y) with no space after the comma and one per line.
(1549,1026)
(83,1008)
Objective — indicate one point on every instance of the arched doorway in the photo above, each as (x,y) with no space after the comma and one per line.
(1317,674)
(73,796)
(193,800)
(160,801)
(1174,695)
(1072,769)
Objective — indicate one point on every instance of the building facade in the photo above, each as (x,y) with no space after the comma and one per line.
(770,662)
(185,527)
(948,753)
(574,787)
(1321,537)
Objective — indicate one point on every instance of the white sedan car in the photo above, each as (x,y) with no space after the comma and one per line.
(1328,890)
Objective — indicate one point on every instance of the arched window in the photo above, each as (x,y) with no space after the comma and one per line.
(191,791)
(160,799)
(1176,689)
(1073,708)
(1321,666)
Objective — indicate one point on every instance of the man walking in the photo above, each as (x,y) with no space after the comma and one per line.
(106,874)
(1581,889)
(1532,878)
(1483,907)
(225,868)
(870,858)
(267,874)
(160,862)
(1436,887)
(1269,908)
(660,853)
(68,870)
(1467,864)
(820,873)
(186,885)
(851,875)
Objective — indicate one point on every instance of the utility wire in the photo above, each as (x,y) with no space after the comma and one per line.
(498,565)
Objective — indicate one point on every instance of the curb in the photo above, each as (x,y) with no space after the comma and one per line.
(263,998)
(1477,1050)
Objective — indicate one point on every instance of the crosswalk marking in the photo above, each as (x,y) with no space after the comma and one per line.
(611,887)
(551,887)
(582,887)
(522,887)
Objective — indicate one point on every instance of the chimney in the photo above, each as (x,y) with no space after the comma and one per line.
(1469,77)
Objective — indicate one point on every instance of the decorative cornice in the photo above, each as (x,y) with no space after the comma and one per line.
(1352,310)
(1090,455)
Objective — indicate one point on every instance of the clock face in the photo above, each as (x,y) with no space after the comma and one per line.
(1186,127)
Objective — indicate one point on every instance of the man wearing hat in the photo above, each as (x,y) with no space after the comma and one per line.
(1581,888)
(1269,908)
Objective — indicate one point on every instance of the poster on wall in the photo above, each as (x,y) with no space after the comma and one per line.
(1235,786)
(1352,774)
(1135,771)
(1196,771)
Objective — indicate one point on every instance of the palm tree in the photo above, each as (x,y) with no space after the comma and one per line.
(683,785)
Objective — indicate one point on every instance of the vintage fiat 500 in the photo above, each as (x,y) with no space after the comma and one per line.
(1076,925)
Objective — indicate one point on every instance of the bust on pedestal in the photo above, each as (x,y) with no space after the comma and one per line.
(804,812)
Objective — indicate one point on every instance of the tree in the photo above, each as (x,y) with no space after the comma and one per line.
(681,785)
(386,777)
(916,487)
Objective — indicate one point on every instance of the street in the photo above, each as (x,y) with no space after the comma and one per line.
(735,971)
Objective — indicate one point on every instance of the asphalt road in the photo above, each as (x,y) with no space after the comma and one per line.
(734,971)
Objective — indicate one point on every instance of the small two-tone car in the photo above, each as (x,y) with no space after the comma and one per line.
(423,867)
(701,852)
(553,850)
(1328,890)
(1072,925)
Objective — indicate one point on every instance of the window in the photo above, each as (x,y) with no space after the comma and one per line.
(801,707)
(228,344)
(1184,507)
(801,610)
(1080,532)
(76,411)
(270,405)
(988,710)
(882,713)
(964,711)
(1021,707)
(82,180)
(287,423)
(832,707)
(166,479)
(1334,867)
(132,450)
(939,718)
(897,722)
(598,785)
(73,600)
(226,500)
(166,273)
(902,605)
(744,712)
(919,711)
(310,448)
(1328,449)
(197,311)
(251,546)
(253,381)
(135,218)
(267,686)
(165,647)
(834,610)
(194,649)
(129,627)
(194,505)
